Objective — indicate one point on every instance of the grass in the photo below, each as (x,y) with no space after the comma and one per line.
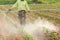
(30,1)
(53,36)
(46,6)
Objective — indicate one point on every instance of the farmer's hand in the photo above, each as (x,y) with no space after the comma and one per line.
(9,9)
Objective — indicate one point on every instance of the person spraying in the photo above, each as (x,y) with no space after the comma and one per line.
(22,6)
(22,9)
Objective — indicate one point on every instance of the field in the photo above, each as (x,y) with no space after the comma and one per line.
(11,20)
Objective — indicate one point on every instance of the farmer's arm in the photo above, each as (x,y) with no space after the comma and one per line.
(27,7)
(14,5)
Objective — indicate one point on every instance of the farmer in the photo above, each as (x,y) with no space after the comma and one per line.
(22,7)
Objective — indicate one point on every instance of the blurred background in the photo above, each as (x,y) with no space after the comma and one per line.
(30,1)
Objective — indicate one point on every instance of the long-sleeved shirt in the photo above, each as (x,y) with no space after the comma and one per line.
(21,5)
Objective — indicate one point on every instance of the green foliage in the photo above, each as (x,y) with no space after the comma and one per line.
(7,1)
(50,1)
(53,36)
(28,37)
(29,1)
